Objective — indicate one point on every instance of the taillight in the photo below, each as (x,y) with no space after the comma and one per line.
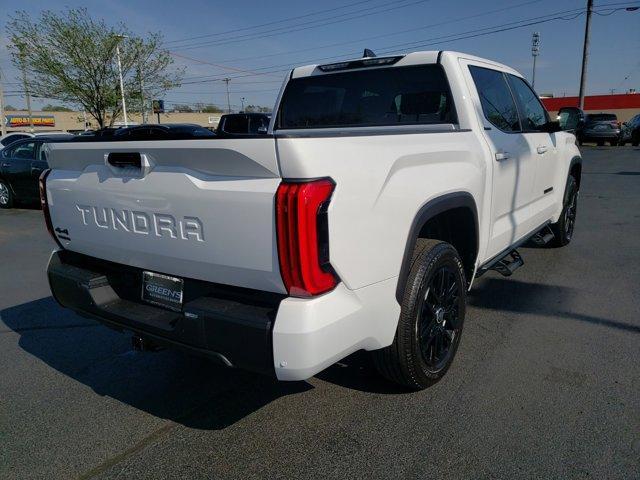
(303,236)
(44,203)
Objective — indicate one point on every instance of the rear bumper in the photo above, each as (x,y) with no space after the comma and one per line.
(600,134)
(291,338)
(231,326)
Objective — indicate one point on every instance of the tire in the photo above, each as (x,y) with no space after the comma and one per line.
(600,143)
(613,143)
(563,228)
(431,318)
(635,139)
(6,197)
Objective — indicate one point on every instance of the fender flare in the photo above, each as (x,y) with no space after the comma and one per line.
(575,161)
(429,210)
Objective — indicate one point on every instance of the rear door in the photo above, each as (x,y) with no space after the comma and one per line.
(513,164)
(16,167)
(542,145)
(202,209)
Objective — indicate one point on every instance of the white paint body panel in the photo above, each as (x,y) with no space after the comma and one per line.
(383,177)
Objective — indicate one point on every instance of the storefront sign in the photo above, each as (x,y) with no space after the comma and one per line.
(14,121)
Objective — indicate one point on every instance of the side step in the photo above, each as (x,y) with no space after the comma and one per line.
(543,237)
(508,264)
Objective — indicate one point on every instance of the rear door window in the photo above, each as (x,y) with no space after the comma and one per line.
(376,97)
(497,102)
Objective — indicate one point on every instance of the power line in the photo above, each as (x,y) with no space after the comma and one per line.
(254,36)
(284,20)
(399,32)
(430,41)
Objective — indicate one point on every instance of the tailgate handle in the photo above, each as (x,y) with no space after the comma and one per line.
(124,159)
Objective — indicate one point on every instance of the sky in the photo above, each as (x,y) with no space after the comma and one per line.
(254,42)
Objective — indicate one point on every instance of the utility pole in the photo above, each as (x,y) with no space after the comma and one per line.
(242,102)
(227,80)
(535,51)
(26,88)
(3,126)
(124,105)
(585,54)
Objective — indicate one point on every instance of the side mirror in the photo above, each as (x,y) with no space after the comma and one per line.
(262,130)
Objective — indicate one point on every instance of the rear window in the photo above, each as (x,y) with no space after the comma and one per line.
(602,117)
(378,97)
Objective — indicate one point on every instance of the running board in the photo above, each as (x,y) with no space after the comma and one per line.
(543,237)
(504,265)
(508,264)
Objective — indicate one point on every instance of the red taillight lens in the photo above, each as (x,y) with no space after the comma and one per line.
(303,237)
(44,203)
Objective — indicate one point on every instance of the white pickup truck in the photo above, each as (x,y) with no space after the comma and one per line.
(358,221)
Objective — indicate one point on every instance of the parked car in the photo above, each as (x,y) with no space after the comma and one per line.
(21,163)
(600,128)
(9,138)
(168,131)
(631,132)
(359,222)
(233,124)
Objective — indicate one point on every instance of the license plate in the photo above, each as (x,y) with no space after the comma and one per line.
(162,290)
(602,127)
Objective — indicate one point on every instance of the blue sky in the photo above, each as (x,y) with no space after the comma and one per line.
(239,50)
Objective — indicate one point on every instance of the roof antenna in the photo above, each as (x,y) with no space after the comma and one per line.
(368,53)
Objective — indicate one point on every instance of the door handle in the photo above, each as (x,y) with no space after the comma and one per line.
(542,149)
(500,156)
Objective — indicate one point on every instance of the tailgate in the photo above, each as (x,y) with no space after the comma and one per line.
(200,209)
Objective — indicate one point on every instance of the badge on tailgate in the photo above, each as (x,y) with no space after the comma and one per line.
(162,290)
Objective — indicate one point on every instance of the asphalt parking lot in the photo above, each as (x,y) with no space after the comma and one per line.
(546,383)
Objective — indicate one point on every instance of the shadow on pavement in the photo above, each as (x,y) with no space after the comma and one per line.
(167,384)
(533,298)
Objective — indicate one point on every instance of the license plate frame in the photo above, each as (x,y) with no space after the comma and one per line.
(162,290)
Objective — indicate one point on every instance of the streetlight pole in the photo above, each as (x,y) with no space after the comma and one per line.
(227,80)
(242,102)
(535,51)
(585,54)
(26,87)
(124,105)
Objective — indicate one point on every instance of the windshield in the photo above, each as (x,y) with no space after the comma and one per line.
(382,96)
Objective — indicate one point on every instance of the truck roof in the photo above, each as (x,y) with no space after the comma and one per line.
(400,60)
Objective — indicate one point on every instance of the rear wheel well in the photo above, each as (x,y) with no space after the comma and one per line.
(458,228)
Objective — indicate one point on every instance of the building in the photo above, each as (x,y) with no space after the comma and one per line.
(71,121)
(624,105)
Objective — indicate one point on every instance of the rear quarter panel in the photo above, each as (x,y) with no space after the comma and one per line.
(382,181)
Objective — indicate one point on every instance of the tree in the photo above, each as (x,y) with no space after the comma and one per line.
(56,108)
(182,108)
(70,57)
(257,108)
(207,108)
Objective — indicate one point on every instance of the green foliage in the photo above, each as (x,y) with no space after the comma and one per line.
(56,108)
(182,108)
(71,57)
(257,109)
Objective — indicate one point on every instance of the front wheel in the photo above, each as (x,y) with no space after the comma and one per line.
(6,199)
(431,318)
(563,228)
